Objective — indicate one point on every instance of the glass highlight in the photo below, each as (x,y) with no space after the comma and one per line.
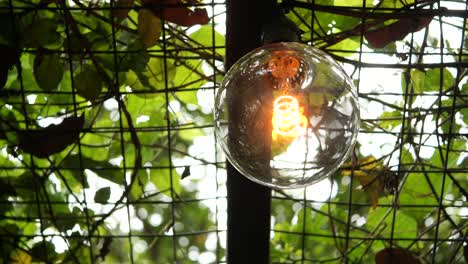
(286,115)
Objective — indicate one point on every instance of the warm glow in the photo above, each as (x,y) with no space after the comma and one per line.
(283,65)
(288,118)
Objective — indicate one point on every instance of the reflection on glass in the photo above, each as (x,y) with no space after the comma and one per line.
(286,115)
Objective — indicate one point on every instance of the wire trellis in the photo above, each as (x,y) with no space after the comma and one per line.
(345,227)
(99,115)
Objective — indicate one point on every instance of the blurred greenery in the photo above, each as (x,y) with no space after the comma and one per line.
(84,134)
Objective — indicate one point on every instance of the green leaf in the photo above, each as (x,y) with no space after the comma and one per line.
(7,30)
(88,84)
(464,114)
(303,14)
(20,257)
(66,222)
(445,118)
(6,189)
(41,33)
(157,71)
(136,59)
(464,111)
(43,251)
(429,81)
(417,78)
(151,106)
(149,27)
(465,252)
(75,45)
(9,238)
(48,71)
(415,192)
(105,249)
(406,225)
(9,124)
(102,195)
(349,44)
(102,168)
(393,119)
(355,3)
(52,139)
(72,162)
(333,22)
(90,140)
(204,36)
(162,180)
(394,3)
(153,77)
(185,173)
(189,75)
(10,57)
(451,162)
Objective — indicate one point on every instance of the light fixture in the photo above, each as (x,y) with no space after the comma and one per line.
(286,115)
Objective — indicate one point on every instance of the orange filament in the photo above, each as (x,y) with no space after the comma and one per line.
(288,119)
(284,65)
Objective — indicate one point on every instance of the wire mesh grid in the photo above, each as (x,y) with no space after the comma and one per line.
(105,107)
(402,198)
(108,153)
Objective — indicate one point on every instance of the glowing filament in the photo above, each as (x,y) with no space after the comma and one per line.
(288,119)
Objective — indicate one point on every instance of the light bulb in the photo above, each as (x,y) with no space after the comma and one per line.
(286,115)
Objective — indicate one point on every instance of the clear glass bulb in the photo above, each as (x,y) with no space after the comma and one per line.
(286,115)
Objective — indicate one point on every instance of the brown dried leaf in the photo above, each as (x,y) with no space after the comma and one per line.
(52,139)
(381,37)
(123,7)
(396,255)
(149,28)
(180,15)
(372,176)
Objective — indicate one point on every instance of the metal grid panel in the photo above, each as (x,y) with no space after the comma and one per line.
(104,110)
(411,154)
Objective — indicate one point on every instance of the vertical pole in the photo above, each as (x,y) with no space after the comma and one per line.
(249,204)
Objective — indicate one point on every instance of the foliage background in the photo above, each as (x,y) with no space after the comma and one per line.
(107,152)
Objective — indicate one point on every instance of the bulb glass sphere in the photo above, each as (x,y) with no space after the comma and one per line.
(286,115)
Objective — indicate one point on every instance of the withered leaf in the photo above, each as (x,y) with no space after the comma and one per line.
(52,139)
(123,7)
(396,255)
(177,12)
(375,178)
(381,37)
(149,28)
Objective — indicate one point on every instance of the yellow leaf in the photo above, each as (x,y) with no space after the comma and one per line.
(374,197)
(370,174)
(20,257)
(149,28)
(369,163)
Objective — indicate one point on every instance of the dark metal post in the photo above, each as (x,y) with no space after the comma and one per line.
(249,203)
